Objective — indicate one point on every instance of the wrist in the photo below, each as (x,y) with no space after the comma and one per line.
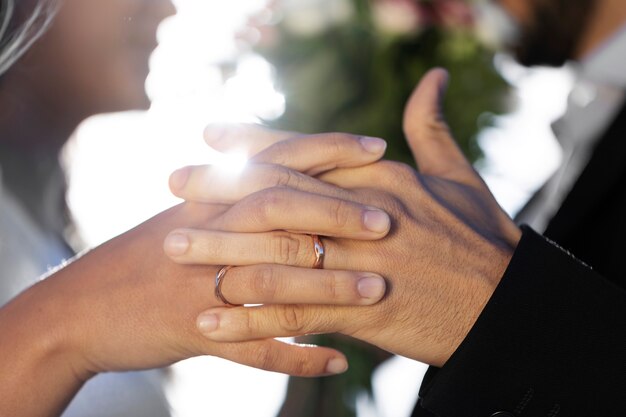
(493,265)
(60,324)
(39,374)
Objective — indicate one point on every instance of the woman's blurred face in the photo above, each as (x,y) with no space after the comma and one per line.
(96,53)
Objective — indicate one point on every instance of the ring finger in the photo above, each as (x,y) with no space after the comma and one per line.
(190,246)
(278,284)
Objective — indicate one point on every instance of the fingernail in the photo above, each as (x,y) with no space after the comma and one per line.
(371,287)
(376,221)
(373,145)
(337,366)
(176,244)
(208,323)
(179,178)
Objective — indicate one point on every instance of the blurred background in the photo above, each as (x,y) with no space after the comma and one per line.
(310,66)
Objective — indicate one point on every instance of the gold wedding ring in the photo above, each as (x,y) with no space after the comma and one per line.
(219,279)
(320,252)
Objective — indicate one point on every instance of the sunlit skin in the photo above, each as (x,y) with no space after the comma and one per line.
(125,306)
(446,192)
(449,245)
(88,319)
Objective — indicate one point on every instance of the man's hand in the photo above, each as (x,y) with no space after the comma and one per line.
(448,246)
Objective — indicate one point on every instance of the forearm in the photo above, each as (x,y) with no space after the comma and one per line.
(37,376)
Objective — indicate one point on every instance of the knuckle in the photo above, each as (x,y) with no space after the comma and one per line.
(338,143)
(436,126)
(301,366)
(284,177)
(403,171)
(296,364)
(251,324)
(430,126)
(340,214)
(291,320)
(263,203)
(396,173)
(285,249)
(382,173)
(265,356)
(265,283)
(279,153)
(262,176)
(332,284)
(304,363)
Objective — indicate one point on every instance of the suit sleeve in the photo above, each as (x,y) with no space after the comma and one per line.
(550,342)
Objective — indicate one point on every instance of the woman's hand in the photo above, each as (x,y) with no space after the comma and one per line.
(448,247)
(126,306)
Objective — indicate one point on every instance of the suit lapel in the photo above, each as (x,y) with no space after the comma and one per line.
(606,167)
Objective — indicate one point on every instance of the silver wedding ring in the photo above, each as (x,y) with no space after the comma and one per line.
(219,280)
(320,252)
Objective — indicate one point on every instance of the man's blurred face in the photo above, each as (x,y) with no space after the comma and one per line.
(550,30)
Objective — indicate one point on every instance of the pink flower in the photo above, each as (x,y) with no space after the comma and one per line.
(453,14)
(399,17)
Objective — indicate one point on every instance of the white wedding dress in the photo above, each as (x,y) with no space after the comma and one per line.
(27,252)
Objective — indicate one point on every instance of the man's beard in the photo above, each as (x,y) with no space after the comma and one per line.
(554,33)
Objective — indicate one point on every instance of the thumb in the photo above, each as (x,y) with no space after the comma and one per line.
(434,149)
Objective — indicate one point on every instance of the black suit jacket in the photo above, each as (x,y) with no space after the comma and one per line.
(552,339)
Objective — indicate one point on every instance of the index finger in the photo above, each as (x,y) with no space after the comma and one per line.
(310,154)
(316,154)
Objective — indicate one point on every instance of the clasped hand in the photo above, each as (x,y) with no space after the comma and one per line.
(444,243)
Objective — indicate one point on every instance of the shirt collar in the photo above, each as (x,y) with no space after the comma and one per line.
(606,65)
